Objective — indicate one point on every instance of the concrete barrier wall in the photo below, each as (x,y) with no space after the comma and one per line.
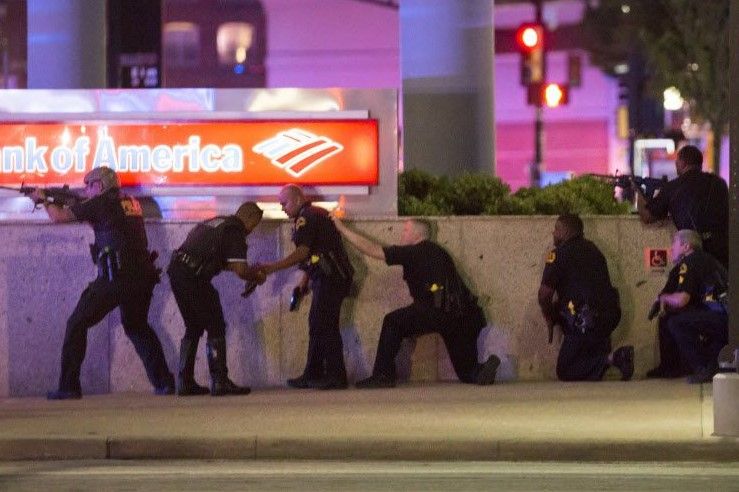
(45,267)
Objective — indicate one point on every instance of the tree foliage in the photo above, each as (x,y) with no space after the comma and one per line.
(686,43)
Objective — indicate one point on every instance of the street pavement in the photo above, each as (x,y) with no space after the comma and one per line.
(665,420)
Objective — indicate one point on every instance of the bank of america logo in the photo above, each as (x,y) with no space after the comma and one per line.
(296,151)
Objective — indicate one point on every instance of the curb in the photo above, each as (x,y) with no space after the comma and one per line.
(288,448)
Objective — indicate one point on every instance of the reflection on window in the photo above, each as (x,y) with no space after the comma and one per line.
(233,42)
(181,42)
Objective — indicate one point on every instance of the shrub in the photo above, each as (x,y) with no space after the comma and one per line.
(421,193)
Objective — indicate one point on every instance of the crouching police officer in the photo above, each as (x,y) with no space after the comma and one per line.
(693,322)
(212,246)
(126,278)
(441,304)
(322,257)
(587,307)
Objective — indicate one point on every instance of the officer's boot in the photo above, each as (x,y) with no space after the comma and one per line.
(219,383)
(186,384)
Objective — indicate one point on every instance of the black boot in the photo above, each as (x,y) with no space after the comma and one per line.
(219,383)
(186,384)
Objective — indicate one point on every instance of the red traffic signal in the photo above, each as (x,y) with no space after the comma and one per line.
(530,42)
(530,37)
(551,95)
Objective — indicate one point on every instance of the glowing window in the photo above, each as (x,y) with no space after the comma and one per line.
(233,41)
(181,42)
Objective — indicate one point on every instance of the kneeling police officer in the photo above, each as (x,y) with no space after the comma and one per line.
(587,307)
(211,246)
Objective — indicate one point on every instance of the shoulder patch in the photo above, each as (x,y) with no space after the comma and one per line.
(551,256)
(683,269)
(300,222)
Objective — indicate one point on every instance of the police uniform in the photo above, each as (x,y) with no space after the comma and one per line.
(203,255)
(126,278)
(330,274)
(588,307)
(699,201)
(691,338)
(441,304)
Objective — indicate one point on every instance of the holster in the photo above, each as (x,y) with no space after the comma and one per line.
(194,263)
(108,262)
(583,321)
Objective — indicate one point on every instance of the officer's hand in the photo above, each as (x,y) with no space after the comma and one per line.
(558,334)
(337,221)
(267,269)
(38,195)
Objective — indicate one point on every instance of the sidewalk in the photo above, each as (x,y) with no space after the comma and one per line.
(607,421)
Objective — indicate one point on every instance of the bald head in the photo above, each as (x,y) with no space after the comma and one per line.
(292,199)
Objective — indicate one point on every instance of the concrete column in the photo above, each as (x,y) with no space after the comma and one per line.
(734,177)
(66,44)
(726,386)
(446,57)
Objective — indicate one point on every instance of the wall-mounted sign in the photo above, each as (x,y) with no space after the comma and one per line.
(655,260)
(192,153)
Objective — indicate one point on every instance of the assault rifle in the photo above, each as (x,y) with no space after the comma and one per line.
(649,186)
(61,196)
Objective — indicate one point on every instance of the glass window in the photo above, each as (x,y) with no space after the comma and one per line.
(181,42)
(233,42)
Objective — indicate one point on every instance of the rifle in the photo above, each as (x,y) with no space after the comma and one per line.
(57,195)
(649,186)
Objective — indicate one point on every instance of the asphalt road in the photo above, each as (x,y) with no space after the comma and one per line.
(204,475)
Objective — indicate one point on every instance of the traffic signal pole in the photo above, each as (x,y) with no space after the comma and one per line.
(535,174)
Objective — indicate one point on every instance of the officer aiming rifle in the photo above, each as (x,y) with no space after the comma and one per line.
(62,195)
(648,186)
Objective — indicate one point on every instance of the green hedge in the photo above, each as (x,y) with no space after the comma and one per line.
(420,193)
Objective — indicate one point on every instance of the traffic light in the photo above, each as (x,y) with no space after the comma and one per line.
(530,42)
(551,95)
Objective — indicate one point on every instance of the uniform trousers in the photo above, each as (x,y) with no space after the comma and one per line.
(325,347)
(584,356)
(199,303)
(459,335)
(691,340)
(132,293)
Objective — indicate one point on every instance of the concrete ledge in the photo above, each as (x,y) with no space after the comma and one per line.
(502,259)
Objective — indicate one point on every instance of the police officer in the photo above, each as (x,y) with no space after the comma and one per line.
(212,246)
(321,255)
(693,323)
(126,278)
(695,200)
(441,304)
(587,308)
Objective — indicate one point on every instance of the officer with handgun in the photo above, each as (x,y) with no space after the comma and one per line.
(693,313)
(441,304)
(126,279)
(695,200)
(211,246)
(320,253)
(587,308)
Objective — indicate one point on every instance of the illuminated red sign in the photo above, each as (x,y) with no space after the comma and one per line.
(192,153)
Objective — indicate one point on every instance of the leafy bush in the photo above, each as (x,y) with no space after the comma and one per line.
(421,193)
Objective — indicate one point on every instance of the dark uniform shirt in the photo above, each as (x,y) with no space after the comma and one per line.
(314,229)
(693,275)
(698,201)
(431,275)
(215,242)
(578,272)
(117,220)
